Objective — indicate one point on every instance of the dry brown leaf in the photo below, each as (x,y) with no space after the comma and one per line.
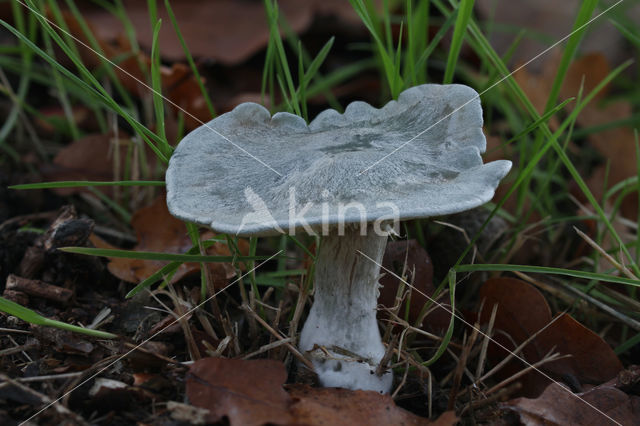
(88,158)
(537,87)
(157,230)
(334,406)
(523,311)
(617,145)
(592,359)
(245,392)
(179,84)
(555,20)
(228,31)
(558,406)
(251,393)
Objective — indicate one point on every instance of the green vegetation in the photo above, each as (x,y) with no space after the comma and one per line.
(403,55)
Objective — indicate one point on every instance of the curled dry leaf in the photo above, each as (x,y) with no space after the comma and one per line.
(523,311)
(158,231)
(251,393)
(559,406)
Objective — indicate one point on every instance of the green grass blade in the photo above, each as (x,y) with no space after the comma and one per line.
(85,183)
(549,271)
(192,64)
(317,62)
(630,121)
(61,92)
(169,269)
(630,34)
(156,85)
(338,76)
(449,334)
(149,255)
(520,95)
(397,82)
(422,60)
(528,169)
(302,88)
(462,21)
(97,89)
(267,75)
(625,346)
(410,57)
(274,30)
(33,317)
(584,14)
(23,86)
(166,270)
(95,45)
(390,71)
(543,119)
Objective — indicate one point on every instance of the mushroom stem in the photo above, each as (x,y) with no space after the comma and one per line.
(341,333)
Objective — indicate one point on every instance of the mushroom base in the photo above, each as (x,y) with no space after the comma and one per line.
(341,334)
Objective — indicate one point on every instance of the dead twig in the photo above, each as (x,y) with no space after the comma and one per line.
(566,288)
(268,347)
(41,399)
(515,352)
(38,288)
(500,395)
(485,342)
(548,358)
(15,350)
(49,377)
(277,335)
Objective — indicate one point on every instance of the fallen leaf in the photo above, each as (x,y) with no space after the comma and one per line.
(592,359)
(523,311)
(179,84)
(538,85)
(251,393)
(333,406)
(617,145)
(228,31)
(88,158)
(553,20)
(158,231)
(559,406)
(245,392)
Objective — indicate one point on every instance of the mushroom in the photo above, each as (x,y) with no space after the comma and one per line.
(349,177)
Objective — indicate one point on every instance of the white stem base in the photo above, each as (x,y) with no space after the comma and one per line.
(341,334)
